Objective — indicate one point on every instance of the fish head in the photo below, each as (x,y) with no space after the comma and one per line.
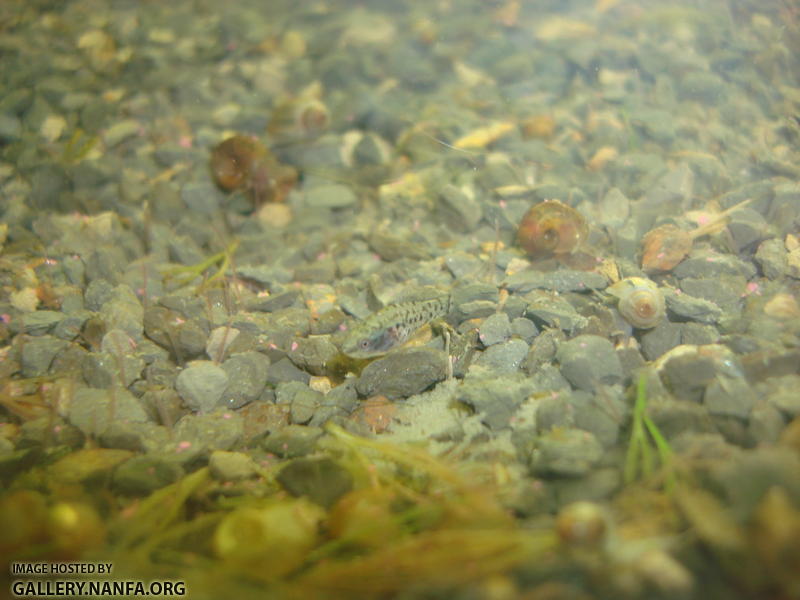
(363,342)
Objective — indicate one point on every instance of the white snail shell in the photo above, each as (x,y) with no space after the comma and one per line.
(641,303)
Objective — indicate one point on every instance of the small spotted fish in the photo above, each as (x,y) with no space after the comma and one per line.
(392,326)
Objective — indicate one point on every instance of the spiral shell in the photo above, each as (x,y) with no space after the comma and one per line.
(551,228)
(664,247)
(234,160)
(243,163)
(641,303)
(582,524)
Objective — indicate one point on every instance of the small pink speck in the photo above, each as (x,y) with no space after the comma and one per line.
(5,318)
(50,262)
(57,429)
(660,255)
(226,415)
(183,446)
(582,344)
(342,327)
(295,346)
(272,346)
(711,259)
(179,321)
(503,204)
(285,446)
(185,141)
(752,287)
(322,255)
(702,219)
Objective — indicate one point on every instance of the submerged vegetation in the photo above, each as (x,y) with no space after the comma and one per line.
(647,444)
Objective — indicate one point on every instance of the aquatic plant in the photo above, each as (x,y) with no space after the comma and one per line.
(183,275)
(646,442)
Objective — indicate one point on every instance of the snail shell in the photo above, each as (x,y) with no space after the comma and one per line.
(234,160)
(664,247)
(551,228)
(641,303)
(582,524)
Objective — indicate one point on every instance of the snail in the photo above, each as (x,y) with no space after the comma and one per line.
(582,524)
(243,163)
(640,302)
(551,228)
(667,245)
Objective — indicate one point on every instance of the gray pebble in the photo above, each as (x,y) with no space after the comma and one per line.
(689,308)
(38,353)
(202,385)
(565,453)
(304,404)
(765,424)
(321,480)
(660,339)
(103,370)
(695,334)
(10,128)
(676,417)
(403,373)
(98,292)
(589,360)
(495,329)
(496,400)
(247,376)
(201,197)
(747,227)
(40,322)
(231,466)
(459,209)
(199,434)
(600,484)
(716,290)
(292,441)
(505,357)
(471,292)
(562,280)
(730,397)
(524,328)
(123,311)
(461,264)
(554,311)
(313,353)
(705,264)
(330,196)
(771,256)
(283,371)
(142,475)
(92,410)
(613,209)
(135,436)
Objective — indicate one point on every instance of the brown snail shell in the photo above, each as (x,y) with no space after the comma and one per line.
(242,162)
(551,228)
(234,159)
(664,247)
(641,303)
(582,524)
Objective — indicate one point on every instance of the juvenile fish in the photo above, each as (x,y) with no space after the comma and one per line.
(392,326)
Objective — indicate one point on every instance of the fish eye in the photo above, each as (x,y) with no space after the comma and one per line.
(364,344)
